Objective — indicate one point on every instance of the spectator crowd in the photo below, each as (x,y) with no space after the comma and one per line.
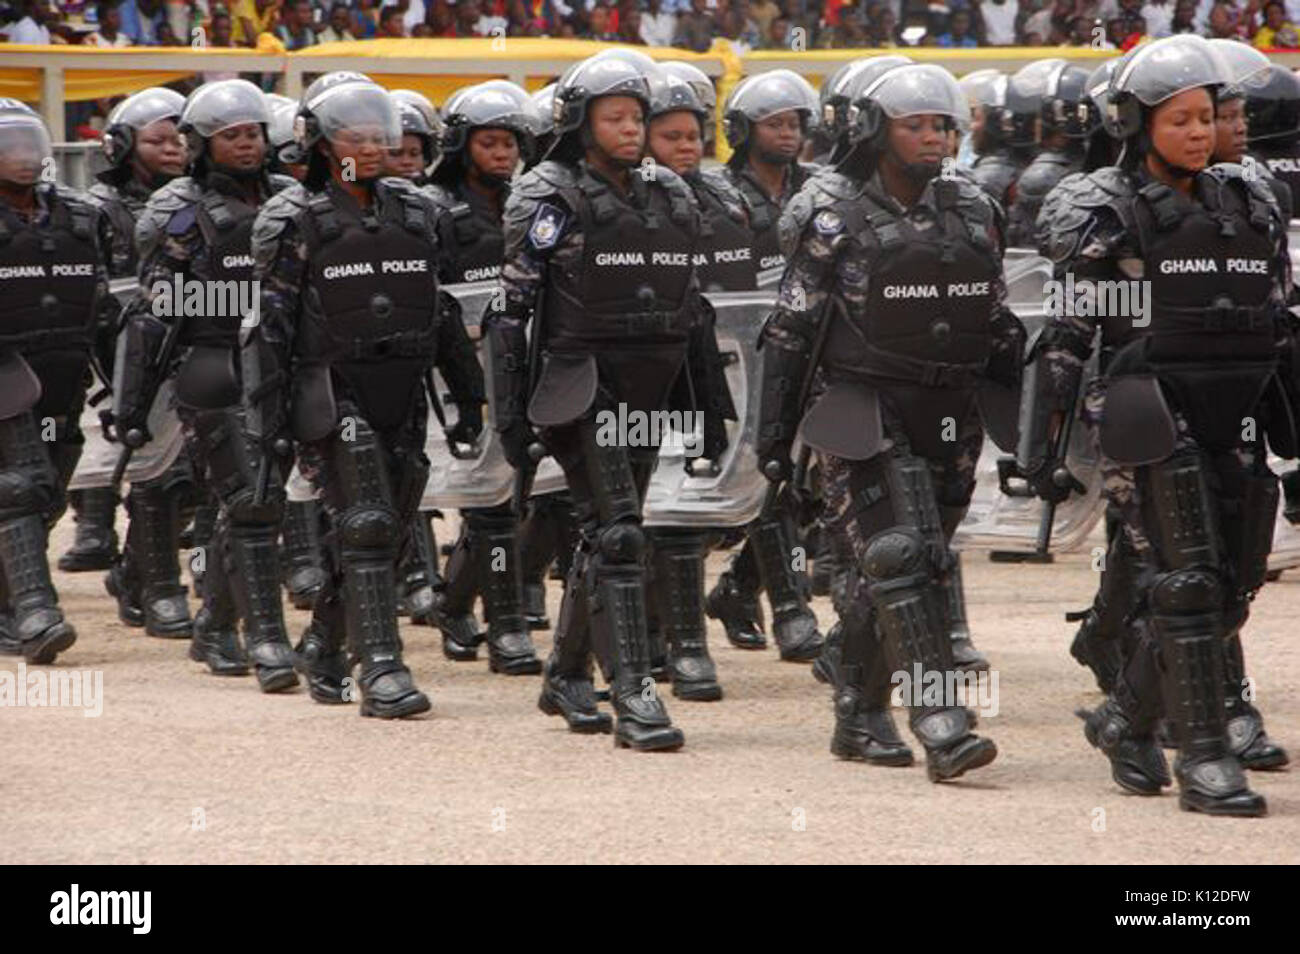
(687,24)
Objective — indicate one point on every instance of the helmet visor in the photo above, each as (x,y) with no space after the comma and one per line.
(920,90)
(1160,70)
(25,150)
(354,114)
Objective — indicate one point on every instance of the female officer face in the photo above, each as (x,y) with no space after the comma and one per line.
(159,151)
(1182,131)
(1230,130)
(617,128)
(675,141)
(239,148)
(493,151)
(918,144)
(407,160)
(779,138)
(358,152)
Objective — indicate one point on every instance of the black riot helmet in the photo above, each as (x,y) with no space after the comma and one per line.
(217,106)
(1067,108)
(1027,93)
(986,96)
(543,105)
(916,89)
(839,92)
(25,149)
(1273,109)
(132,115)
(669,93)
(1249,67)
(757,97)
(1101,149)
(604,74)
(699,81)
(419,117)
(336,103)
(279,133)
(1154,72)
(497,104)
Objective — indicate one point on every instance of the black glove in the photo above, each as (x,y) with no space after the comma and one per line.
(469,424)
(515,441)
(1054,484)
(1291,491)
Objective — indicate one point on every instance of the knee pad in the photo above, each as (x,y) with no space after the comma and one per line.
(367,528)
(895,554)
(23,492)
(245,512)
(1189,592)
(622,542)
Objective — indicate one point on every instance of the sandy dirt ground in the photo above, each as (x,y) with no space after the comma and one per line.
(183,766)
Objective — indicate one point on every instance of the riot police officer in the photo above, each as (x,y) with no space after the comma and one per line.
(350,328)
(488,128)
(766,121)
(53,251)
(196,277)
(421,133)
(894,291)
(1003,140)
(144,152)
(283,158)
(1187,480)
(837,95)
(1067,117)
(599,258)
(1273,118)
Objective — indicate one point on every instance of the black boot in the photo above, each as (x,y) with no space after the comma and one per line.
(615,589)
(679,595)
(256,560)
(453,606)
(10,644)
(794,627)
(1093,648)
(510,647)
(739,612)
(864,727)
(303,574)
(567,686)
(535,606)
(1186,614)
(320,655)
(215,639)
(1245,725)
(909,604)
(1136,762)
(418,578)
(151,543)
(964,654)
(38,622)
(123,584)
(825,668)
(369,606)
(95,544)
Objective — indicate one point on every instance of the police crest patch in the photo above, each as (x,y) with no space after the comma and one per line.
(545,230)
(828,222)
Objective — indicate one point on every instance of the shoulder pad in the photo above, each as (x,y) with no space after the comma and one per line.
(1255,185)
(832,186)
(814,205)
(273,218)
(440,196)
(546,178)
(1041,175)
(176,196)
(280,182)
(536,219)
(718,183)
(1071,210)
(102,192)
(672,182)
(1111,180)
(73,198)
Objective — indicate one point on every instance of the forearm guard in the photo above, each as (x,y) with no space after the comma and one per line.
(457,360)
(136,376)
(785,365)
(1053,373)
(265,397)
(709,382)
(508,351)
(1006,365)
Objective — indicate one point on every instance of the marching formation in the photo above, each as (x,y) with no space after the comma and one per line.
(276,296)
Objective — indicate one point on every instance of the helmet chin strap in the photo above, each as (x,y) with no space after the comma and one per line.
(918,173)
(1177,171)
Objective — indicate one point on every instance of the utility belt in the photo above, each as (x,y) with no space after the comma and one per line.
(892,366)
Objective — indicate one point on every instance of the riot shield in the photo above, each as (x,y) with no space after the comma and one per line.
(484,479)
(99,457)
(733,495)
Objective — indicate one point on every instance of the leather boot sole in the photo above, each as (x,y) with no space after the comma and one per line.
(411,704)
(665,739)
(898,757)
(522,666)
(86,561)
(977,755)
(1265,763)
(697,691)
(44,648)
(583,723)
(276,680)
(1254,807)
